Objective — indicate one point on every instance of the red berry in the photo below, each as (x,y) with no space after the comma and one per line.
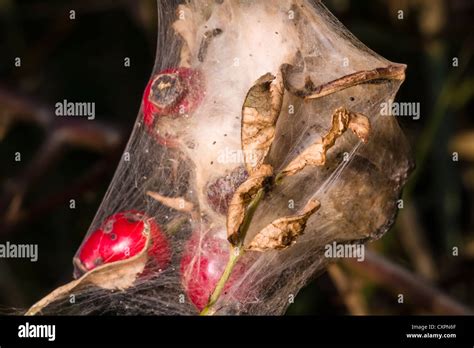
(202,265)
(121,236)
(221,190)
(171,93)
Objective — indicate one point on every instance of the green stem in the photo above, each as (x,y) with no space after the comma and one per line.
(235,254)
(251,208)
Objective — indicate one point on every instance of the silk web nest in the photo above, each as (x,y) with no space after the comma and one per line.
(260,140)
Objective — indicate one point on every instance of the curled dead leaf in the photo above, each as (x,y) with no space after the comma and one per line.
(242,198)
(360,125)
(260,113)
(119,275)
(283,232)
(315,154)
(312,91)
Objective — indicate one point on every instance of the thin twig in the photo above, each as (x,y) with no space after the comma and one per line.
(95,136)
(400,281)
(42,207)
(413,238)
(24,108)
(351,296)
(78,134)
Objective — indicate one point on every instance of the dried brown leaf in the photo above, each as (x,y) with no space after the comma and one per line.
(119,275)
(176,203)
(312,91)
(283,232)
(360,125)
(315,154)
(241,199)
(260,113)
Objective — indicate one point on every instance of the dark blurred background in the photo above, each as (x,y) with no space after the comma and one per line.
(83,59)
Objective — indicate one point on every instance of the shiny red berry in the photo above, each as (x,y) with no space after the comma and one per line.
(171,93)
(202,265)
(121,236)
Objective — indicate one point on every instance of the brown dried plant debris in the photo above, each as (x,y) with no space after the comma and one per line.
(242,198)
(260,113)
(283,232)
(315,154)
(176,203)
(312,91)
(206,41)
(118,275)
(186,27)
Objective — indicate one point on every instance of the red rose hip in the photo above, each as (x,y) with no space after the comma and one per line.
(220,190)
(171,93)
(121,236)
(202,265)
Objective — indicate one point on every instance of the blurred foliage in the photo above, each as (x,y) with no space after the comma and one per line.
(82,59)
